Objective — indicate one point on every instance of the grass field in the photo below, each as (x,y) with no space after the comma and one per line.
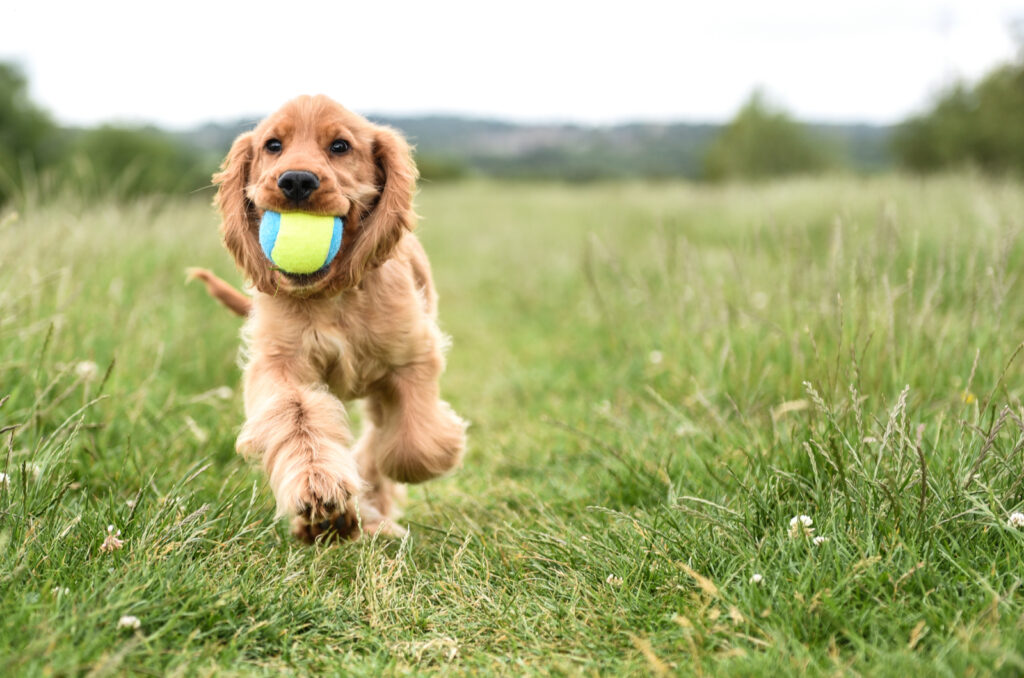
(659,378)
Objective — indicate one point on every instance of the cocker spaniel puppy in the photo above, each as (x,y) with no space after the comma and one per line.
(363,327)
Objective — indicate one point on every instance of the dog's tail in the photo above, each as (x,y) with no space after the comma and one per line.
(221,290)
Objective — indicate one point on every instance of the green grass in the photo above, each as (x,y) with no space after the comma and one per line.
(659,378)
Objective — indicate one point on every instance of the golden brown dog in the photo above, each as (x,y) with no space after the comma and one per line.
(365,327)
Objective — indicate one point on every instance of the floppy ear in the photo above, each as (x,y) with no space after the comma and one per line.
(239,219)
(381,229)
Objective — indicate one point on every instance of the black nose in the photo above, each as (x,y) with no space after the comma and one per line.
(297,185)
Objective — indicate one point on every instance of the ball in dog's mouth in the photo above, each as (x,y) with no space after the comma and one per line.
(301,245)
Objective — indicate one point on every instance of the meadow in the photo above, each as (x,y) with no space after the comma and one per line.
(660,379)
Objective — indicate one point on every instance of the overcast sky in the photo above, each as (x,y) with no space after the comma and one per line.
(181,63)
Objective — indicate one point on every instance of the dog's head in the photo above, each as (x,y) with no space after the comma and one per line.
(315,156)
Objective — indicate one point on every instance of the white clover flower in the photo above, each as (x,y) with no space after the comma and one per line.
(756,579)
(612,580)
(87,370)
(129,621)
(819,540)
(800,526)
(35,470)
(5,479)
(130,503)
(224,392)
(112,541)
(1016,519)
(655,357)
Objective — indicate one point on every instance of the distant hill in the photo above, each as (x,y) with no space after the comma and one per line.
(572,152)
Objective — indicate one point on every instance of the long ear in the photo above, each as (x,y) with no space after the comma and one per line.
(381,229)
(238,215)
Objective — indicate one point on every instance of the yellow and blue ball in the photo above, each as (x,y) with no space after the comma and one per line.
(297,242)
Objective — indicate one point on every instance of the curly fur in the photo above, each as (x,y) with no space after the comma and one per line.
(363,329)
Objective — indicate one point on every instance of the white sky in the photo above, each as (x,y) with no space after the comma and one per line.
(185,62)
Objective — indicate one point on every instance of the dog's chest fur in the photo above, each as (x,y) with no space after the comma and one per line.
(349,342)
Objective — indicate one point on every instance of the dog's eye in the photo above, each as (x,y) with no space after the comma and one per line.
(273,145)
(339,146)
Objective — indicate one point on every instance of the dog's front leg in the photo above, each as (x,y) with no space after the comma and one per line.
(300,432)
(413,434)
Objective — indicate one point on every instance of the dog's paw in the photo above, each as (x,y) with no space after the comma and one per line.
(341,526)
(319,494)
(364,520)
(423,448)
(384,528)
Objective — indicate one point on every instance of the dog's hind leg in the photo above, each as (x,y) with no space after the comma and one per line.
(379,504)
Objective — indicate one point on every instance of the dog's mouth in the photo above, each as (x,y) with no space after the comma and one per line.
(305,279)
(300,246)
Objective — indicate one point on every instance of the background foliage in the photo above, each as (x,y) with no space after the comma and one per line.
(763,142)
(977,125)
(29,139)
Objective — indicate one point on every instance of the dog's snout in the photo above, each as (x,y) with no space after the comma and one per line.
(297,185)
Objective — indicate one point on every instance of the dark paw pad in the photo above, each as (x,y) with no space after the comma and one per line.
(338,528)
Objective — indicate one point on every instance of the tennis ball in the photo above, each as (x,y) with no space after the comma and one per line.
(297,242)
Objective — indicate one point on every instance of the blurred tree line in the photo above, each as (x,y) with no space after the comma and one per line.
(117,161)
(978,125)
(763,142)
(969,126)
(27,134)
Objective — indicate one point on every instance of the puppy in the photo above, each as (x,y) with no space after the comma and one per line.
(365,327)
